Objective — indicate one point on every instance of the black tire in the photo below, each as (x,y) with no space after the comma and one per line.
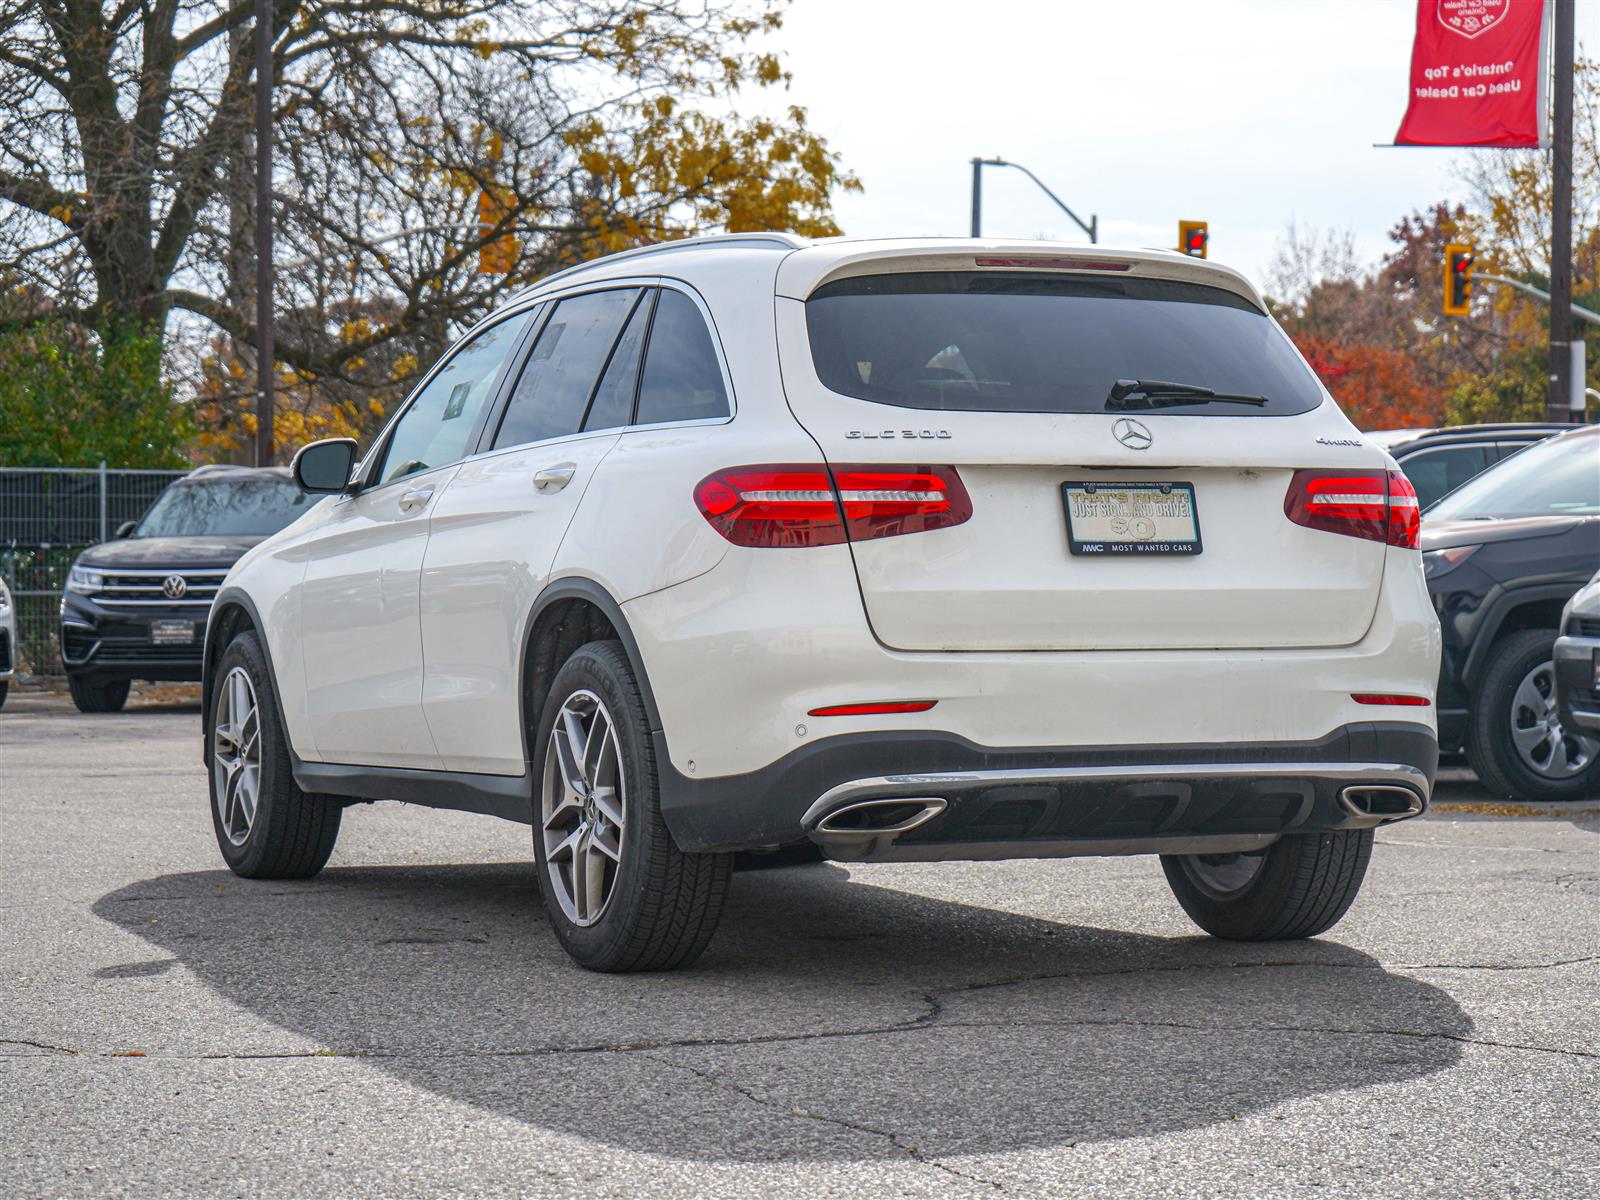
(661,906)
(1302,885)
(5,686)
(292,832)
(1490,748)
(98,697)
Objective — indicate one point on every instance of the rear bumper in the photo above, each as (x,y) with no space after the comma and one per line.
(1577,688)
(922,796)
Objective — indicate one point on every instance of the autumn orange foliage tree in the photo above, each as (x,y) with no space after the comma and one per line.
(1379,338)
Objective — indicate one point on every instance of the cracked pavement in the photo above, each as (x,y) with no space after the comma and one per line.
(407,1025)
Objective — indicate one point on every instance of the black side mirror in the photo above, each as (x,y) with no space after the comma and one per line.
(125,530)
(324,466)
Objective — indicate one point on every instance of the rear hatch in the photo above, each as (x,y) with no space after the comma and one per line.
(1001,367)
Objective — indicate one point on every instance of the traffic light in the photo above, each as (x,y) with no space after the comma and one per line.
(1193,238)
(1457,279)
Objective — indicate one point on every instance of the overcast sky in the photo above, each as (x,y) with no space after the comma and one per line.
(1247,114)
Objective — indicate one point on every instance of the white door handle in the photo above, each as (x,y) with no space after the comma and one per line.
(416,498)
(553,479)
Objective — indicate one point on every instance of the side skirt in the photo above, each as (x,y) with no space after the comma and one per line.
(506,796)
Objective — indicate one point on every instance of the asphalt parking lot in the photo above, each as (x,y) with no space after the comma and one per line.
(407,1025)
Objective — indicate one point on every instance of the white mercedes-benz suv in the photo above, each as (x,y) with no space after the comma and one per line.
(917,550)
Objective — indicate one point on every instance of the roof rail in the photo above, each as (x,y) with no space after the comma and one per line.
(208,468)
(728,241)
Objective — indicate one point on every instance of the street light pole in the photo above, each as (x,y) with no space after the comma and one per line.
(978,164)
(1561,220)
(977,197)
(265,450)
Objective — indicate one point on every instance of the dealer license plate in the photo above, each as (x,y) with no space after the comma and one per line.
(1131,518)
(172,633)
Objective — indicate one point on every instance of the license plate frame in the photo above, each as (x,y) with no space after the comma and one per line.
(171,632)
(1132,546)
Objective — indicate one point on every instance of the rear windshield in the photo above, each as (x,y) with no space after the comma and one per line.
(225,508)
(1001,342)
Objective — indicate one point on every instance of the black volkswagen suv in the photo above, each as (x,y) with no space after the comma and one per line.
(136,607)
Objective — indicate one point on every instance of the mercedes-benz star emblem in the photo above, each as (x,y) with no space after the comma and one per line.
(174,587)
(1135,435)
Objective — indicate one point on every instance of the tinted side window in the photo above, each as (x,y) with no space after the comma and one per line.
(682,380)
(435,429)
(612,405)
(1435,472)
(560,373)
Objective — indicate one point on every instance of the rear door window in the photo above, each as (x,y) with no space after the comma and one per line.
(612,406)
(682,378)
(1007,342)
(1435,473)
(552,392)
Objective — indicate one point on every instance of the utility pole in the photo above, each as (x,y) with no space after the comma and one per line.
(265,450)
(1561,362)
(978,164)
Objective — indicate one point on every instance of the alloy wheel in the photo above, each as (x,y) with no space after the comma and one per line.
(236,755)
(1542,743)
(582,811)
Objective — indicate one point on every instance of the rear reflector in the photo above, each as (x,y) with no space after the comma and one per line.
(1380,506)
(1384,698)
(799,504)
(873,709)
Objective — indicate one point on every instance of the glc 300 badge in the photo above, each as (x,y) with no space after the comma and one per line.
(898,433)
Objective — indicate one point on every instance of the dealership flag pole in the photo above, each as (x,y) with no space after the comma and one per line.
(1561,362)
(265,451)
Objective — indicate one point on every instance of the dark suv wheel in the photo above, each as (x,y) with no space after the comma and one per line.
(266,826)
(93,697)
(1516,742)
(1297,887)
(620,894)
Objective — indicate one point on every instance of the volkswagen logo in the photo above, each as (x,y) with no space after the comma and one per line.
(174,587)
(1135,435)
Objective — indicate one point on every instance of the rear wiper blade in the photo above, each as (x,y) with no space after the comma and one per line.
(1160,393)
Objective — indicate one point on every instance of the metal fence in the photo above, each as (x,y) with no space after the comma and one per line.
(48,516)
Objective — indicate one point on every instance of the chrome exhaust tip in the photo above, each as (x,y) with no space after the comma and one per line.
(891,814)
(1381,802)
(857,831)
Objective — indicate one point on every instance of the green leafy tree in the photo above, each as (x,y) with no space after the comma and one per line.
(69,398)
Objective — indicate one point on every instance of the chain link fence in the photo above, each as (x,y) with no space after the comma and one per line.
(48,516)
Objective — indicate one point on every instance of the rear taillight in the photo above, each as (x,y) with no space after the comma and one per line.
(807,505)
(1380,506)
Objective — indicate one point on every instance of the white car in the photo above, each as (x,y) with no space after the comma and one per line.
(8,640)
(917,550)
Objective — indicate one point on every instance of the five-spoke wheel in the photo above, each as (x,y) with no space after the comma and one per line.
(620,894)
(583,815)
(267,828)
(236,755)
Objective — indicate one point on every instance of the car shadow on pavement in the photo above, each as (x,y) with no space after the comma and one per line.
(831,1019)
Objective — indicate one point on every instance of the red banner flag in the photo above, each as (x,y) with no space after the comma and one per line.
(1477,74)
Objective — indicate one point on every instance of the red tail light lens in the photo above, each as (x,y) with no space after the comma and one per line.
(806,505)
(1380,506)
